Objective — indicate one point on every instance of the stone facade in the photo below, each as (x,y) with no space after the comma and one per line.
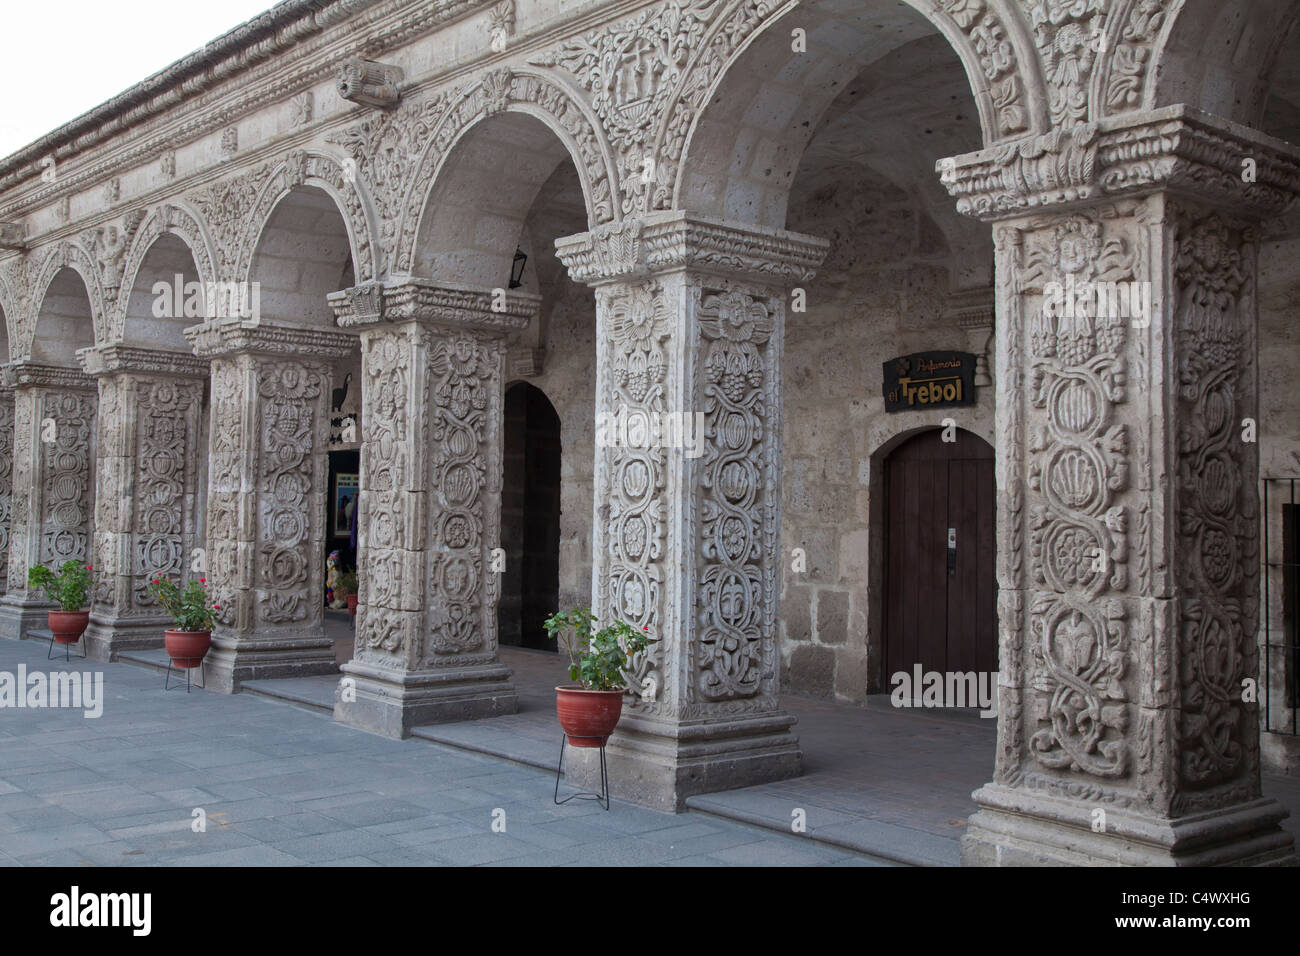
(736,209)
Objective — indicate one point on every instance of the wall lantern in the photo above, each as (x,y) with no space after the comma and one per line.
(517,268)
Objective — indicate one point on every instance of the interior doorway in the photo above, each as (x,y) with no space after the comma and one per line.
(530,518)
(940,608)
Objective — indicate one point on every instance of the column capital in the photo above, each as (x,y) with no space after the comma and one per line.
(676,240)
(1178,149)
(117,358)
(428,302)
(34,374)
(225,337)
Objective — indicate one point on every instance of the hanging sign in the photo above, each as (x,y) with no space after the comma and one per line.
(929,380)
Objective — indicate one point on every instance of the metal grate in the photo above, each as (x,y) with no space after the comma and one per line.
(1281,674)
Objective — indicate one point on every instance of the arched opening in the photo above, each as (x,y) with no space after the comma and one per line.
(302,255)
(841,142)
(64,323)
(939,607)
(508,186)
(530,518)
(166,298)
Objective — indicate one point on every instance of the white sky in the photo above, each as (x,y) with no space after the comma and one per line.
(60,58)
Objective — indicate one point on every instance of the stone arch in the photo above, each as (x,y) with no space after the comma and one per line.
(508,91)
(9,314)
(72,256)
(323,171)
(1220,56)
(173,219)
(753,72)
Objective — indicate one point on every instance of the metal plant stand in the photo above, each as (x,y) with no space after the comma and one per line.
(187,670)
(603,797)
(67,648)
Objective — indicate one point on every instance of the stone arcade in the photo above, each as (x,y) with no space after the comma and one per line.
(730,209)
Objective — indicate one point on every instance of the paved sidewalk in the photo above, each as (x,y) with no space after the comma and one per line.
(283,785)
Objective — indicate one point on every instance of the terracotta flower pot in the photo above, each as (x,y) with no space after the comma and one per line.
(587,716)
(352,604)
(187,648)
(67,626)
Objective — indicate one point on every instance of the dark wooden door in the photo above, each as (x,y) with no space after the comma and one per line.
(940,602)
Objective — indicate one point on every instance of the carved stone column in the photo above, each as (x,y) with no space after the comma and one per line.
(1128,514)
(268,478)
(53,478)
(690,326)
(431,432)
(6,480)
(147,498)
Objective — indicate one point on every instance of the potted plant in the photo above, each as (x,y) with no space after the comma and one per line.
(347,586)
(70,590)
(589,710)
(188,642)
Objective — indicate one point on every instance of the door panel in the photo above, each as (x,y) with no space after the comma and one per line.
(939,611)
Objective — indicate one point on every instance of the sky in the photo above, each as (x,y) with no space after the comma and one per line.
(60,58)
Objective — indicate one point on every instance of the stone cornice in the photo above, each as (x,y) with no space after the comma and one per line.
(672,241)
(234,336)
(118,358)
(433,303)
(35,375)
(1178,149)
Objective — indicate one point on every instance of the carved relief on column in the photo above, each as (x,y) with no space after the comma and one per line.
(433,373)
(266,500)
(53,476)
(6,480)
(1217,569)
(1128,507)
(690,317)
(147,490)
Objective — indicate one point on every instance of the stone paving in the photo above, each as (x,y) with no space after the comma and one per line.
(281,785)
(285,784)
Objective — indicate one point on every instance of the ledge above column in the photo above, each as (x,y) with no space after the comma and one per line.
(1180,149)
(676,240)
(117,358)
(19,374)
(434,303)
(238,336)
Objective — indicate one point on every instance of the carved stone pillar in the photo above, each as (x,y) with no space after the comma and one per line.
(690,325)
(431,431)
(147,498)
(1128,515)
(6,480)
(53,478)
(268,478)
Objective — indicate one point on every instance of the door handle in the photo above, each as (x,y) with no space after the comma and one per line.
(952,550)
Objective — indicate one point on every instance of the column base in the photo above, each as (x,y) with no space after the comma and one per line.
(233,660)
(392,702)
(108,637)
(17,619)
(658,766)
(1016,828)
